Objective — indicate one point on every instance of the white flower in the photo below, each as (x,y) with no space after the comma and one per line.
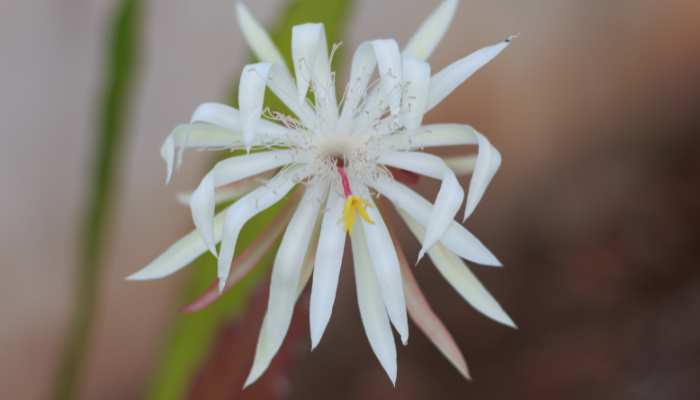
(337,154)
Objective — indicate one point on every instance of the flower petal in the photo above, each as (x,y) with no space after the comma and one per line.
(224,172)
(448,199)
(431,31)
(245,209)
(416,76)
(461,165)
(258,40)
(386,267)
(390,72)
(311,65)
(487,163)
(251,97)
(329,257)
(460,277)
(232,191)
(372,310)
(228,117)
(456,238)
(285,280)
(424,317)
(195,136)
(282,85)
(488,159)
(363,64)
(448,79)
(250,257)
(178,255)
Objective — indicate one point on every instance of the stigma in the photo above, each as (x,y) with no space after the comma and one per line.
(354,204)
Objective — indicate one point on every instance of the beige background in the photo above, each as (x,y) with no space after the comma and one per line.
(582,64)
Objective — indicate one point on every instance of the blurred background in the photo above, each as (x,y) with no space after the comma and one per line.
(594,212)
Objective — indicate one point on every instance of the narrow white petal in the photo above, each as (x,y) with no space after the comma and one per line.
(416,76)
(329,257)
(461,165)
(372,310)
(456,238)
(256,36)
(202,205)
(228,117)
(179,254)
(460,277)
(284,283)
(431,31)
(251,97)
(195,136)
(488,161)
(386,267)
(225,172)
(363,64)
(448,79)
(390,71)
(245,209)
(449,197)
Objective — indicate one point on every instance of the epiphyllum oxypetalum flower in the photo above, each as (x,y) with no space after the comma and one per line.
(338,153)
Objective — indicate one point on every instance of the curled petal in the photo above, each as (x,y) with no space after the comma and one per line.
(372,310)
(202,202)
(456,238)
(448,199)
(460,277)
(228,117)
(461,165)
(285,280)
(199,136)
(448,79)
(487,162)
(390,71)
(258,40)
(431,31)
(251,96)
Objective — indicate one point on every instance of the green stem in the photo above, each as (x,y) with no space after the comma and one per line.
(121,62)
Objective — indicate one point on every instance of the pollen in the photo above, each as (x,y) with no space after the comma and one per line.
(355,205)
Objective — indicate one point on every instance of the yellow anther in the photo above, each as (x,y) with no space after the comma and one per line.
(352,205)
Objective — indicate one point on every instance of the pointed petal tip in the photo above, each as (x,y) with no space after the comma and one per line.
(222,285)
(510,38)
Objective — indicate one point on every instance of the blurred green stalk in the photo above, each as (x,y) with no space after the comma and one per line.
(121,59)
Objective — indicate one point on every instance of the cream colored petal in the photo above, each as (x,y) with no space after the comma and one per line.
(416,77)
(251,97)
